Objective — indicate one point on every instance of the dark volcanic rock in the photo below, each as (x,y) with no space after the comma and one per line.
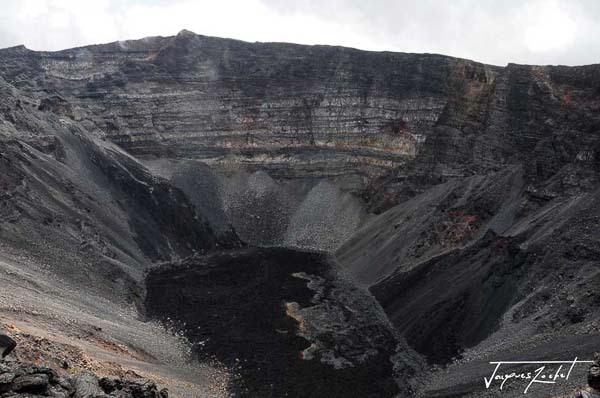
(19,379)
(445,217)
(162,217)
(7,345)
(454,300)
(287,323)
(485,179)
(319,110)
(85,205)
(57,105)
(291,110)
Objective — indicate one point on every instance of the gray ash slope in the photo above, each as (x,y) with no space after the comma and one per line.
(468,191)
(98,219)
(66,192)
(81,221)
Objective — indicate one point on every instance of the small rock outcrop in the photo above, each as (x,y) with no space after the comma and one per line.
(18,379)
(58,105)
(6,345)
(594,373)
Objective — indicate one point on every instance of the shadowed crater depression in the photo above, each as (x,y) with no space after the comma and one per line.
(286,321)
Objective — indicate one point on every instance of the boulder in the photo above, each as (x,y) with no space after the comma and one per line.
(6,345)
(24,379)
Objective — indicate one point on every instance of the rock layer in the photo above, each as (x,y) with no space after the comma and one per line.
(486,178)
(292,110)
(314,110)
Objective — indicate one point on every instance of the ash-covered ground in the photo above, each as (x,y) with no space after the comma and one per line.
(268,219)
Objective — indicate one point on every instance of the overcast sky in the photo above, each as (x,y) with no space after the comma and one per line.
(495,32)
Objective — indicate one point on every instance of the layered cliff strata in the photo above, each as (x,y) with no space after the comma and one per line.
(326,111)
(487,178)
(383,126)
(80,222)
(297,111)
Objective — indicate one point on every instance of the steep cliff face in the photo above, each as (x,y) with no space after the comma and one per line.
(319,111)
(293,110)
(386,126)
(62,188)
(462,195)
(80,222)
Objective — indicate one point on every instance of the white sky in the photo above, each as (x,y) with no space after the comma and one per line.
(496,32)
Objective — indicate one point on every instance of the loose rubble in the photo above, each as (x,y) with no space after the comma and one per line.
(21,379)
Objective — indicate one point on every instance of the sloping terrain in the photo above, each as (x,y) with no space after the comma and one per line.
(81,222)
(287,322)
(463,196)
(294,110)
(442,218)
(309,213)
(488,268)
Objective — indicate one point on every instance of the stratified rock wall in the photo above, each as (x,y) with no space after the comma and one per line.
(484,178)
(291,110)
(91,211)
(297,111)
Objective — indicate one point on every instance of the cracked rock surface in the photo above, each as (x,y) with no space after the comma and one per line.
(19,379)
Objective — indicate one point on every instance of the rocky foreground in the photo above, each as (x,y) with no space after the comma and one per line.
(20,379)
(465,198)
